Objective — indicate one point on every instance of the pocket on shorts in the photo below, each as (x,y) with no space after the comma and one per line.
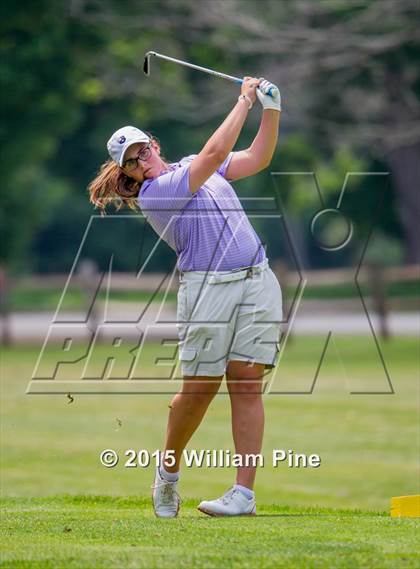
(182,306)
(187,354)
(189,295)
(277,295)
(276,357)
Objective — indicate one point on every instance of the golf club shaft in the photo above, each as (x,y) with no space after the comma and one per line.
(271,92)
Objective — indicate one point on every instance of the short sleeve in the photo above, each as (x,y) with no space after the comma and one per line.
(220,170)
(168,192)
(224,166)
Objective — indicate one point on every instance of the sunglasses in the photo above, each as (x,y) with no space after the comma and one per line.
(143,155)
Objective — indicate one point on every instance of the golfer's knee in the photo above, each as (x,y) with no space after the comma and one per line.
(246,391)
(193,402)
(198,394)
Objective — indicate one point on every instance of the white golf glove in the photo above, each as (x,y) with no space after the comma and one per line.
(267,101)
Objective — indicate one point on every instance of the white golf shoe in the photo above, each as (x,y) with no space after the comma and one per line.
(166,500)
(233,503)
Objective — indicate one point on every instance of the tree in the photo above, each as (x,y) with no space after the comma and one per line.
(43,58)
(350,76)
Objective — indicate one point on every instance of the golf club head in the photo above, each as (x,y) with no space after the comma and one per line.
(146,63)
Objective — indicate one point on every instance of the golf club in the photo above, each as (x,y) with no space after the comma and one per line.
(146,69)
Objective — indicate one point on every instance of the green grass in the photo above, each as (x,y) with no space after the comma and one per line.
(22,298)
(400,289)
(99,531)
(333,516)
(48,298)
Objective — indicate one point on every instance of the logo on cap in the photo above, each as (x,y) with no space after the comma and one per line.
(121,140)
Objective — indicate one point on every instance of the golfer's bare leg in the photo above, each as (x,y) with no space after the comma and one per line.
(245,390)
(187,410)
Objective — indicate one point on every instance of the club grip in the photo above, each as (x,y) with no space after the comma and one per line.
(272,92)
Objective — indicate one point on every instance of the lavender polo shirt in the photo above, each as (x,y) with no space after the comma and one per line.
(208,230)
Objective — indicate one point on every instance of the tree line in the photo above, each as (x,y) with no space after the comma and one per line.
(71,74)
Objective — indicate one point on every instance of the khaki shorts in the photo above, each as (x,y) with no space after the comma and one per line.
(228,315)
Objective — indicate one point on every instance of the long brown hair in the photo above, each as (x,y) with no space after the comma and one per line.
(112,185)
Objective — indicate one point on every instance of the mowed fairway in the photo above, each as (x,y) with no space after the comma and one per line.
(94,532)
(61,508)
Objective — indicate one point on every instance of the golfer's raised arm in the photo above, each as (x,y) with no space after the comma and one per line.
(221,143)
(258,156)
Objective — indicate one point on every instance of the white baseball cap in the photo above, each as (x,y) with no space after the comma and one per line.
(122,139)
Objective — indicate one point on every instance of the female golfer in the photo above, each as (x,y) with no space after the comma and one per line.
(229,300)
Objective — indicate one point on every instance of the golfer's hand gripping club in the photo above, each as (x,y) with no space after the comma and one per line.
(269,89)
(253,88)
(267,101)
